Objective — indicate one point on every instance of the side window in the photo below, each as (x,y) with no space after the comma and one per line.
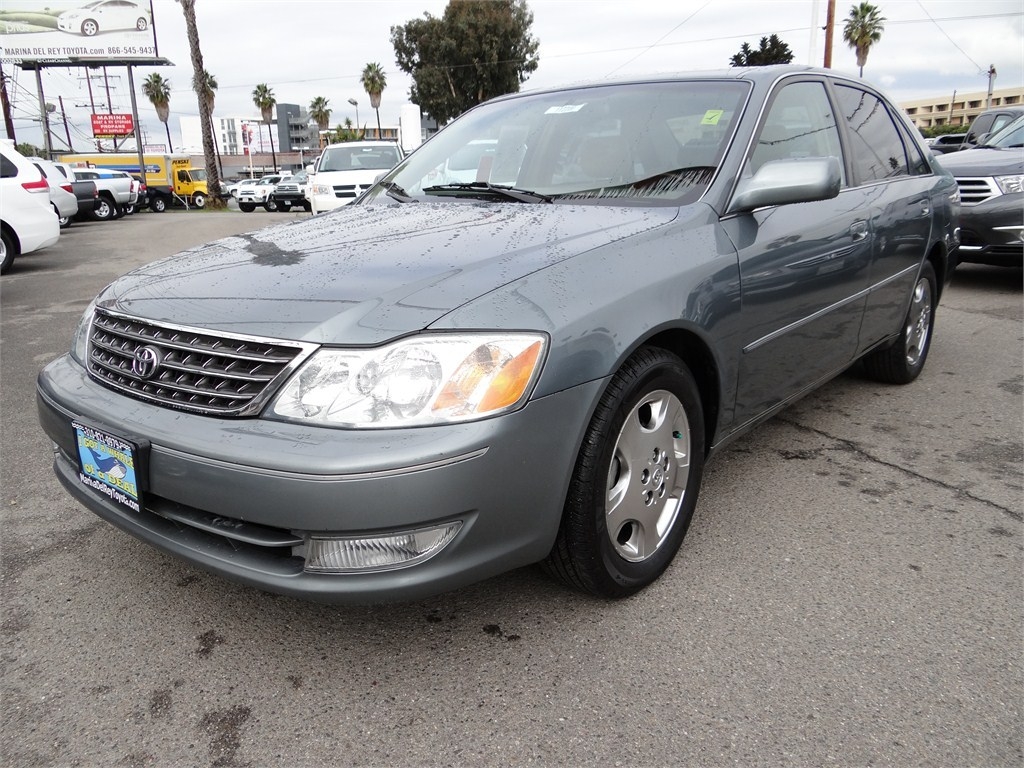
(8,170)
(800,123)
(878,151)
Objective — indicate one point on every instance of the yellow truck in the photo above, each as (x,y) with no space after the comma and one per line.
(170,179)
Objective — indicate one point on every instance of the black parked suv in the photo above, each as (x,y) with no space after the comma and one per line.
(990,177)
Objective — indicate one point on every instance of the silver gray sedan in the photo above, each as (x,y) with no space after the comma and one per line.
(449,379)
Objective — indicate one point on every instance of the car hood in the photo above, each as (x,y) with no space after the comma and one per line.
(984,161)
(365,274)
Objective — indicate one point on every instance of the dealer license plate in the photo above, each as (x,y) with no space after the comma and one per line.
(109,465)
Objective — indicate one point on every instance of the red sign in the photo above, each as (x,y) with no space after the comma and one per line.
(109,126)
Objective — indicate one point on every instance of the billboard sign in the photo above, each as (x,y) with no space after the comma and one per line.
(77,31)
(112,126)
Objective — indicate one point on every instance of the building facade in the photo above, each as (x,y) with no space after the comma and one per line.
(959,108)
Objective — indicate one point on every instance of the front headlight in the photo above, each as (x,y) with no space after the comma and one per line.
(1010,184)
(323,189)
(80,341)
(435,379)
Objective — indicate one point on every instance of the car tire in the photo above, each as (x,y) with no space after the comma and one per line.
(141,24)
(158,204)
(283,207)
(903,361)
(90,27)
(129,209)
(105,210)
(199,200)
(247,207)
(8,250)
(63,221)
(270,206)
(634,487)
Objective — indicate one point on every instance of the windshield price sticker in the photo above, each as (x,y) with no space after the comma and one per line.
(108,465)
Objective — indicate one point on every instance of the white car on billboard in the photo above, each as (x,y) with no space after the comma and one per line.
(105,16)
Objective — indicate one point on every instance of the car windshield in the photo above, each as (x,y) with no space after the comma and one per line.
(198,174)
(1010,135)
(624,143)
(358,157)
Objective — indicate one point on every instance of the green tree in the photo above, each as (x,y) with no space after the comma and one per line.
(157,89)
(771,51)
(374,82)
(347,132)
(477,50)
(863,28)
(199,85)
(320,112)
(264,100)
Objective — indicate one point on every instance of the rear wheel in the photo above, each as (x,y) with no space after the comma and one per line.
(64,221)
(904,360)
(105,209)
(8,250)
(636,480)
(247,207)
(270,205)
(158,204)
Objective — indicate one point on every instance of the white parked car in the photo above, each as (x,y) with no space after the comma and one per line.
(343,171)
(105,16)
(62,194)
(27,221)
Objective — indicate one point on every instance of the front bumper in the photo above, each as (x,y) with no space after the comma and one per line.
(234,495)
(992,232)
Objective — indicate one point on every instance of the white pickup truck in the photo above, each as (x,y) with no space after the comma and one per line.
(259,191)
(118,191)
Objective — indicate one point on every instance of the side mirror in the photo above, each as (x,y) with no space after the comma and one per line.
(781,182)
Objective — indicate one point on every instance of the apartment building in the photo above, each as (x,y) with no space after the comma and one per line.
(959,108)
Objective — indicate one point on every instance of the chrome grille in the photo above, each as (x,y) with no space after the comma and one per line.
(189,369)
(978,190)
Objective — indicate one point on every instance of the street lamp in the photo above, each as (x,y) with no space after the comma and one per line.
(355,104)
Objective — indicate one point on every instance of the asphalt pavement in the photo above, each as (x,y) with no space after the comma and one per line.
(851,592)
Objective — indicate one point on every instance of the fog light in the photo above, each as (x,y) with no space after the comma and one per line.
(378,553)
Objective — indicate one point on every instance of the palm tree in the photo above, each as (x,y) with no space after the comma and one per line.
(264,100)
(210,94)
(158,90)
(320,113)
(863,29)
(199,85)
(374,81)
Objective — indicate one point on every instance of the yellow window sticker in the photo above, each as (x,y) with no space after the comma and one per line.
(712,116)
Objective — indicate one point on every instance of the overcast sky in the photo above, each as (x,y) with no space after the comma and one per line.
(307,48)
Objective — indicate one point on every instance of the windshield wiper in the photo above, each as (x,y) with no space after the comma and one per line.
(394,191)
(512,193)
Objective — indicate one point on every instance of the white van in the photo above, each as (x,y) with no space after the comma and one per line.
(343,171)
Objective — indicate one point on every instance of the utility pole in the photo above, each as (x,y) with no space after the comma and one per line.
(6,105)
(991,82)
(830,22)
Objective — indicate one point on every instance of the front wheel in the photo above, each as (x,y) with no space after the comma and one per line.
(270,206)
(904,360)
(635,484)
(199,200)
(247,207)
(90,27)
(283,207)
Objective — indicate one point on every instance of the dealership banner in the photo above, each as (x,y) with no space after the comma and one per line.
(76,31)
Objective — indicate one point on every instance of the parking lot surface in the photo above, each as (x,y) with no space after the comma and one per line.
(850,592)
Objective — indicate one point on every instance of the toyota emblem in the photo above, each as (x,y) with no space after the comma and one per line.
(146,362)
